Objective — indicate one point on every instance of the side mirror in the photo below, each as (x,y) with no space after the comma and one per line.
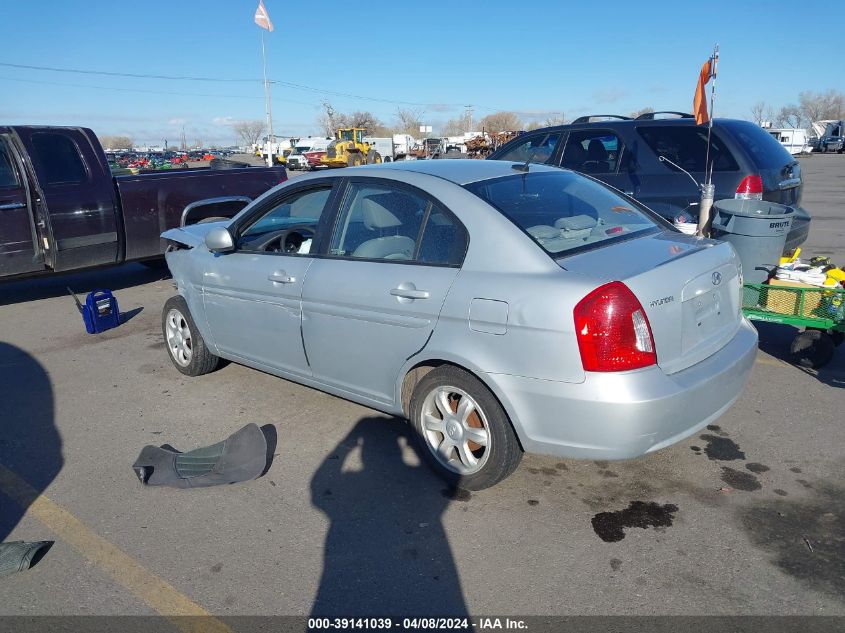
(219,240)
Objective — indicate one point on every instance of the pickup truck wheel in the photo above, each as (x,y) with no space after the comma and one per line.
(185,345)
(462,431)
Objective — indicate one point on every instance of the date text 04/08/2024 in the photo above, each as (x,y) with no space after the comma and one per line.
(411,624)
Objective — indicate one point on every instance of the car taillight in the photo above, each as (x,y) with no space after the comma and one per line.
(613,331)
(751,188)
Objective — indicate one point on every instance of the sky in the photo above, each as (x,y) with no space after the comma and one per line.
(539,58)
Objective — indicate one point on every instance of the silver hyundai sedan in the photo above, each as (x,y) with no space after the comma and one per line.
(500,307)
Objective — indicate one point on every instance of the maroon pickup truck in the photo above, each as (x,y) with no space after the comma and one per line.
(62,209)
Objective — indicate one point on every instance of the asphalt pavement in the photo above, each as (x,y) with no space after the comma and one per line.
(747,517)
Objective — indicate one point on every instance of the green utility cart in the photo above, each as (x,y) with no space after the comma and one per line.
(820,311)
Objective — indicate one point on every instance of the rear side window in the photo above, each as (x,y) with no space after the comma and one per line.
(562,211)
(382,222)
(59,159)
(8,175)
(593,152)
(687,146)
(765,149)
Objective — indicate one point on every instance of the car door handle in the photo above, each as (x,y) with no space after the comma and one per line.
(410,293)
(281,277)
(12,205)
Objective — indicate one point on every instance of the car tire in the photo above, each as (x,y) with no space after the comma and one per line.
(464,463)
(185,346)
(812,349)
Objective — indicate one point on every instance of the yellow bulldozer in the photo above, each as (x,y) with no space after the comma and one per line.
(348,149)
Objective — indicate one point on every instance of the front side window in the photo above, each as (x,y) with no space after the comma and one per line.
(290,226)
(539,148)
(686,146)
(59,159)
(8,174)
(564,212)
(390,223)
(593,152)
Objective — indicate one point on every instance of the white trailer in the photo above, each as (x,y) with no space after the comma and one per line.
(793,139)
(384,146)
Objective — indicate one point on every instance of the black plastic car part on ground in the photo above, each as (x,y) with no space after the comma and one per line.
(626,154)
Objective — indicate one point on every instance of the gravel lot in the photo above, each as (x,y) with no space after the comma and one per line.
(750,514)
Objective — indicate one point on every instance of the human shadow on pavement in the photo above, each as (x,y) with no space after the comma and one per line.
(386,551)
(82,282)
(30,444)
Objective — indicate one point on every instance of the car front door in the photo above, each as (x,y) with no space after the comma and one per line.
(78,193)
(19,252)
(252,296)
(373,300)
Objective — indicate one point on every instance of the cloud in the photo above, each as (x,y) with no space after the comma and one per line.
(609,95)
(177,122)
(440,107)
(224,120)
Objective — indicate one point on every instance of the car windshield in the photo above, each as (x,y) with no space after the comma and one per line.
(565,212)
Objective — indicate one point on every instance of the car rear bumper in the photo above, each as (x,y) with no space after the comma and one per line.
(626,415)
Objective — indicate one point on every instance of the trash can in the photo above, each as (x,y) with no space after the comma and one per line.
(757,230)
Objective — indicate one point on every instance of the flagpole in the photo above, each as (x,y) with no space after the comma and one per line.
(708,190)
(268,105)
(707,166)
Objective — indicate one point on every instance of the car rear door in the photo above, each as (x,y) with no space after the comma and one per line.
(19,248)
(372,301)
(252,295)
(77,189)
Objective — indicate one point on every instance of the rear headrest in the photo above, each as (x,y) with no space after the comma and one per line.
(376,216)
(575,223)
(596,150)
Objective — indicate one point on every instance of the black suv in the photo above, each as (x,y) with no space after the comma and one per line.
(625,153)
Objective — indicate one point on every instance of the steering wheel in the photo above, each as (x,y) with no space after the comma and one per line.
(287,240)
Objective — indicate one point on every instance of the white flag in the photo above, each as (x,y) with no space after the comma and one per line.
(262,18)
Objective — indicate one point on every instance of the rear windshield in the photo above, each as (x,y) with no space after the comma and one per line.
(764,149)
(686,145)
(563,211)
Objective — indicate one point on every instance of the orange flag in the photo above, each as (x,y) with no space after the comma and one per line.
(262,18)
(699,102)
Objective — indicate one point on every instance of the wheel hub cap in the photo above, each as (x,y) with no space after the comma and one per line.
(455,430)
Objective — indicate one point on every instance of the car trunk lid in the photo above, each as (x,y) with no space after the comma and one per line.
(688,287)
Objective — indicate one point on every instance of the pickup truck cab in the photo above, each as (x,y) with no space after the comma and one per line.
(61,208)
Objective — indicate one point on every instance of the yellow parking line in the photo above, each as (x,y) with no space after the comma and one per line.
(159,595)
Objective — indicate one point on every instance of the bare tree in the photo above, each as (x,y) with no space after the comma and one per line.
(637,113)
(328,120)
(116,142)
(820,106)
(408,120)
(549,121)
(456,126)
(501,122)
(758,112)
(789,116)
(249,133)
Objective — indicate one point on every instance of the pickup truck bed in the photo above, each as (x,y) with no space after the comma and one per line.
(61,208)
